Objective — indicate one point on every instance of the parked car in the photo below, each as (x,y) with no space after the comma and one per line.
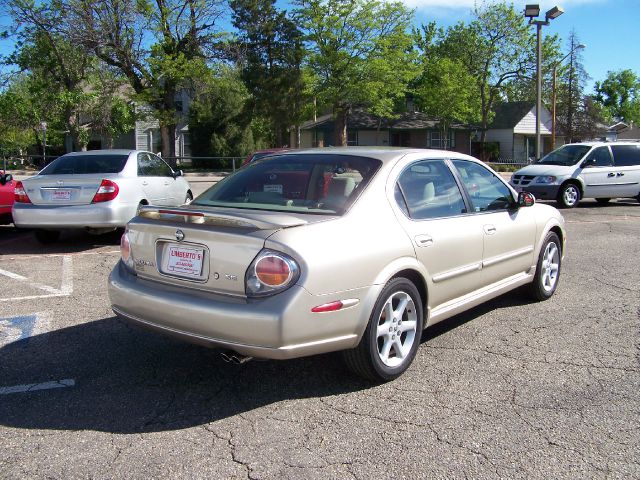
(575,171)
(98,191)
(370,246)
(252,157)
(7,185)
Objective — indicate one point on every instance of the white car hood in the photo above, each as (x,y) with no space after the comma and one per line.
(541,169)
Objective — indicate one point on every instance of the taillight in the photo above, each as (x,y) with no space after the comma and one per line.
(125,249)
(20,194)
(107,190)
(271,272)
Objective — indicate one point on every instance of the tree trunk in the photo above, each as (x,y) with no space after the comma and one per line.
(168,149)
(340,133)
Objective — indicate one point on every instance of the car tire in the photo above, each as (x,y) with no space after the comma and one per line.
(47,236)
(548,266)
(603,201)
(569,195)
(188,199)
(392,337)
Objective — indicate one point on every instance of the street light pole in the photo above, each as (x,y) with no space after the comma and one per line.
(553,93)
(532,12)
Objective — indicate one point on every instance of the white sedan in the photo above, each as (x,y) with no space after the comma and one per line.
(98,191)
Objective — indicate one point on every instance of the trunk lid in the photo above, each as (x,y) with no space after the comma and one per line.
(203,248)
(63,189)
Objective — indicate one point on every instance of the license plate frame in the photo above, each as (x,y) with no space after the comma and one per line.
(61,194)
(183,261)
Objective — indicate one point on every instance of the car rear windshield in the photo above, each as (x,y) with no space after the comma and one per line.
(566,155)
(81,164)
(306,183)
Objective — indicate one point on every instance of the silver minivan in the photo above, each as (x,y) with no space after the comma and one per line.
(575,171)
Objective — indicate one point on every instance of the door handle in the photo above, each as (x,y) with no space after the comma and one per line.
(489,229)
(423,240)
(145,183)
(620,174)
(611,175)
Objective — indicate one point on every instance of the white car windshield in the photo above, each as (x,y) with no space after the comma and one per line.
(566,155)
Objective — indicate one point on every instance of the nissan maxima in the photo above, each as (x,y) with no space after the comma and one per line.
(353,250)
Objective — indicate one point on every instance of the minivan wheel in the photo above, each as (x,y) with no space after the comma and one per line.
(392,336)
(569,195)
(547,274)
(47,236)
(603,201)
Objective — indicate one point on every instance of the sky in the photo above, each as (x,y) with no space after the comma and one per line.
(609,28)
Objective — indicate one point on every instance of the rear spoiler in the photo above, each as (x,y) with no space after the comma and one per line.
(219,219)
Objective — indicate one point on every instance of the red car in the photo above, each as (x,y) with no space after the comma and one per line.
(7,186)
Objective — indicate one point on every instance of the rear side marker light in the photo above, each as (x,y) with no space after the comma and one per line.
(20,194)
(107,191)
(335,306)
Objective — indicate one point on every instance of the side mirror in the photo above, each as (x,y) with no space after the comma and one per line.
(588,162)
(526,199)
(178,173)
(6,178)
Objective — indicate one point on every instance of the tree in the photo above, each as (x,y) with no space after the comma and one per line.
(619,94)
(360,55)
(572,79)
(495,48)
(159,46)
(271,49)
(219,119)
(445,89)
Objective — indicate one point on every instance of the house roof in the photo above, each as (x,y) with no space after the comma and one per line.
(509,114)
(361,120)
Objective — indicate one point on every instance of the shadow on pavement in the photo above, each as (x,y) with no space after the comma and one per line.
(128,381)
(14,241)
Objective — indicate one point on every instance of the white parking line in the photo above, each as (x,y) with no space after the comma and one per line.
(66,288)
(34,387)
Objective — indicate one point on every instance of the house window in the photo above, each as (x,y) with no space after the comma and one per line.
(436,139)
(352,138)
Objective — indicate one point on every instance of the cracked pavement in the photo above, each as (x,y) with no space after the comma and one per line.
(510,389)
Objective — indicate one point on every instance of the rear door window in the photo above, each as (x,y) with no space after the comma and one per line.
(626,155)
(428,189)
(85,164)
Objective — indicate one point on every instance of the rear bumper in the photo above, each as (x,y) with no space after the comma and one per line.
(98,215)
(277,327)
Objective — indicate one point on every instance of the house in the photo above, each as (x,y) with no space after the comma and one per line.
(410,129)
(622,131)
(514,129)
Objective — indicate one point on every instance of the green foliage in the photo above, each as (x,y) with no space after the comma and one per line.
(360,53)
(219,123)
(272,53)
(494,48)
(619,94)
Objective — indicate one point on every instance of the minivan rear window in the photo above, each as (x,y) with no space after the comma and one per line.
(85,164)
(626,155)
(304,183)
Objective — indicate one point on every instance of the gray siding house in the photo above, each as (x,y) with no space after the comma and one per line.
(514,129)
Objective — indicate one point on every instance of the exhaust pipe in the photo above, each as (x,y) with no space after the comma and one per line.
(230,356)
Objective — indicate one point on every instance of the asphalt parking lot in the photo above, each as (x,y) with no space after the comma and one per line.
(511,389)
